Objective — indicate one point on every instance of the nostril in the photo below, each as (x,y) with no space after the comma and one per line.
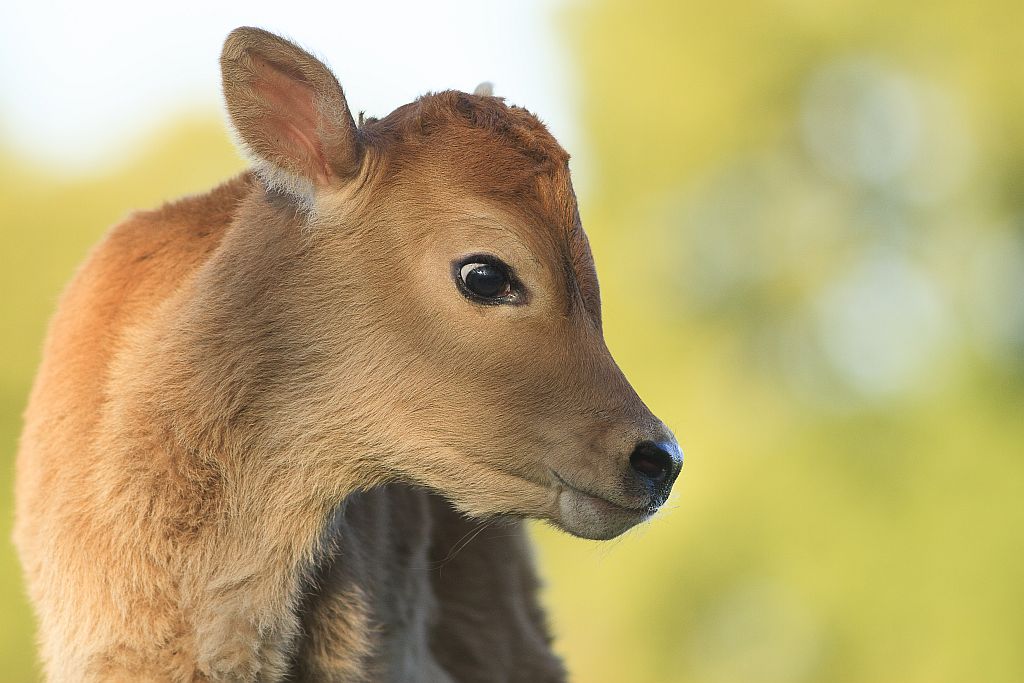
(651,460)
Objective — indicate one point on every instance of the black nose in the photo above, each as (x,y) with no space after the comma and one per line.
(657,463)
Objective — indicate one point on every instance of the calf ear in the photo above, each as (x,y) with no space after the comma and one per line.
(289,112)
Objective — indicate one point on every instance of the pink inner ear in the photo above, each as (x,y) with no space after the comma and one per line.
(291,123)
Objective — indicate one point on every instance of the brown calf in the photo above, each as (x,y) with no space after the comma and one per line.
(266,414)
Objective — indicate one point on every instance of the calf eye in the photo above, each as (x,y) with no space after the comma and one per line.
(486,281)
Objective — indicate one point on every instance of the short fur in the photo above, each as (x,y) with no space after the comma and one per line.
(270,438)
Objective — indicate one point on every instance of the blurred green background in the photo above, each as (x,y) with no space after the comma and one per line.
(807,219)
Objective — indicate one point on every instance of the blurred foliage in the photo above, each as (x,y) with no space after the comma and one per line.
(807,218)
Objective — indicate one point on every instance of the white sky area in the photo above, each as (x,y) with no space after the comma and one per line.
(81,82)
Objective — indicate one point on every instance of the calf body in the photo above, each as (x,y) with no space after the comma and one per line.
(269,419)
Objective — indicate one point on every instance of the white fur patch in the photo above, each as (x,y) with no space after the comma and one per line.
(273,177)
(278,179)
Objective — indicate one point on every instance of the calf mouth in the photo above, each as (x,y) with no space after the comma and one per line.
(585,513)
(642,509)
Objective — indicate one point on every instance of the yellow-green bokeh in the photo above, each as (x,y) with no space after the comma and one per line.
(776,192)
(808,222)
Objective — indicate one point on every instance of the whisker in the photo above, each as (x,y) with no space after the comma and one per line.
(459,545)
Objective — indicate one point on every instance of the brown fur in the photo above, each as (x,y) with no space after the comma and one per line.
(264,414)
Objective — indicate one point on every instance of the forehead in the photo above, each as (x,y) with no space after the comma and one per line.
(459,147)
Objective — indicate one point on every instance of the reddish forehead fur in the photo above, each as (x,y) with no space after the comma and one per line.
(500,151)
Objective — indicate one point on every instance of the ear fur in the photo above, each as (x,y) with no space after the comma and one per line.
(289,112)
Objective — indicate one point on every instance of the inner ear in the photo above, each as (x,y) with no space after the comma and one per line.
(289,112)
(292,123)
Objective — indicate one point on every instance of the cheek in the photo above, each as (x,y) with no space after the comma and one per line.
(480,381)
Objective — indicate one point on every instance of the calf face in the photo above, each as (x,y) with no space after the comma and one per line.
(458,291)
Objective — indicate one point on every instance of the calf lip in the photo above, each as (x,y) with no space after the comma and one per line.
(644,510)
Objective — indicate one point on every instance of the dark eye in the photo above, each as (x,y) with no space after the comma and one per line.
(486,281)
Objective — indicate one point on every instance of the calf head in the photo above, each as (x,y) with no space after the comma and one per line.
(456,293)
